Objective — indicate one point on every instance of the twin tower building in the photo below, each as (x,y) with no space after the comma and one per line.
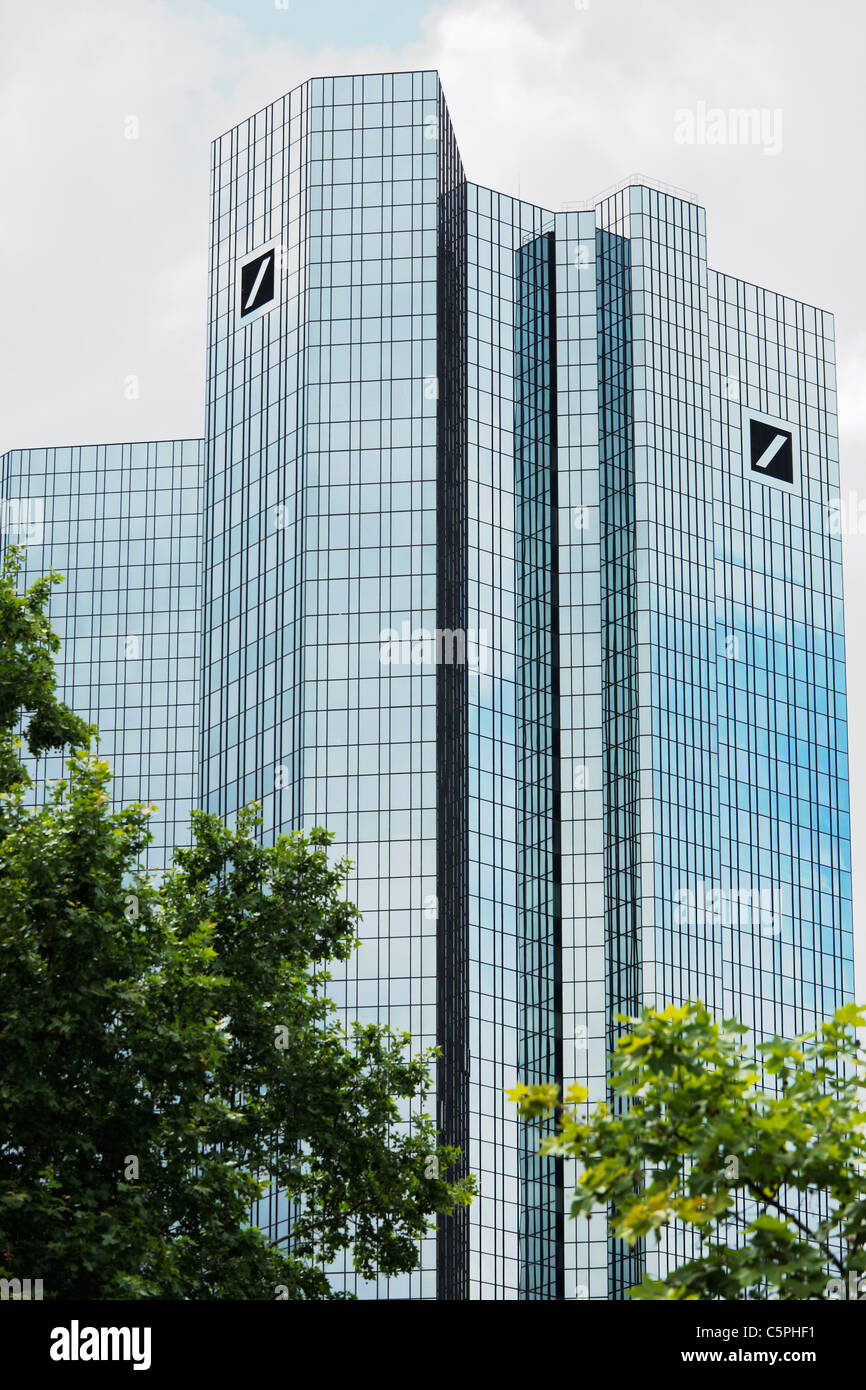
(507,555)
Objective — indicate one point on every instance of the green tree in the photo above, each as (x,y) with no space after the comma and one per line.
(169,1054)
(27,677)
(728,1143)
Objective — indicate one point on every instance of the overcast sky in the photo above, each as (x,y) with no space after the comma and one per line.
(104,238)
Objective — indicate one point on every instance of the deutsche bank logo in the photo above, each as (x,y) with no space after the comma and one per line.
(258,283)
(771,451)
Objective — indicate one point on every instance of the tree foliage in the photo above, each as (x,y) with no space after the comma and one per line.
(28,646)
(759,1153)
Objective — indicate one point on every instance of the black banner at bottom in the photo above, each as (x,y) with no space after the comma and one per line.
(84,1340)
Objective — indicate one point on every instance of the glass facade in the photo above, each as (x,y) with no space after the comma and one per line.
(121,523)
(728,874)
(320,522)
(517,573)
(538,829)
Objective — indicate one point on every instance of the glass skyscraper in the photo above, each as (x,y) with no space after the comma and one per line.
(121,523)
(516,572)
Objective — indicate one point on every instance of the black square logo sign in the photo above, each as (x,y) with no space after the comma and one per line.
(258,286)
(771,451)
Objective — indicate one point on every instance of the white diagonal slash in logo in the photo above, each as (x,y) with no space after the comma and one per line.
(770,453)
(251,299)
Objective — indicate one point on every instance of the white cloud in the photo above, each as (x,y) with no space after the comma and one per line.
(852,394)
(107,236)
